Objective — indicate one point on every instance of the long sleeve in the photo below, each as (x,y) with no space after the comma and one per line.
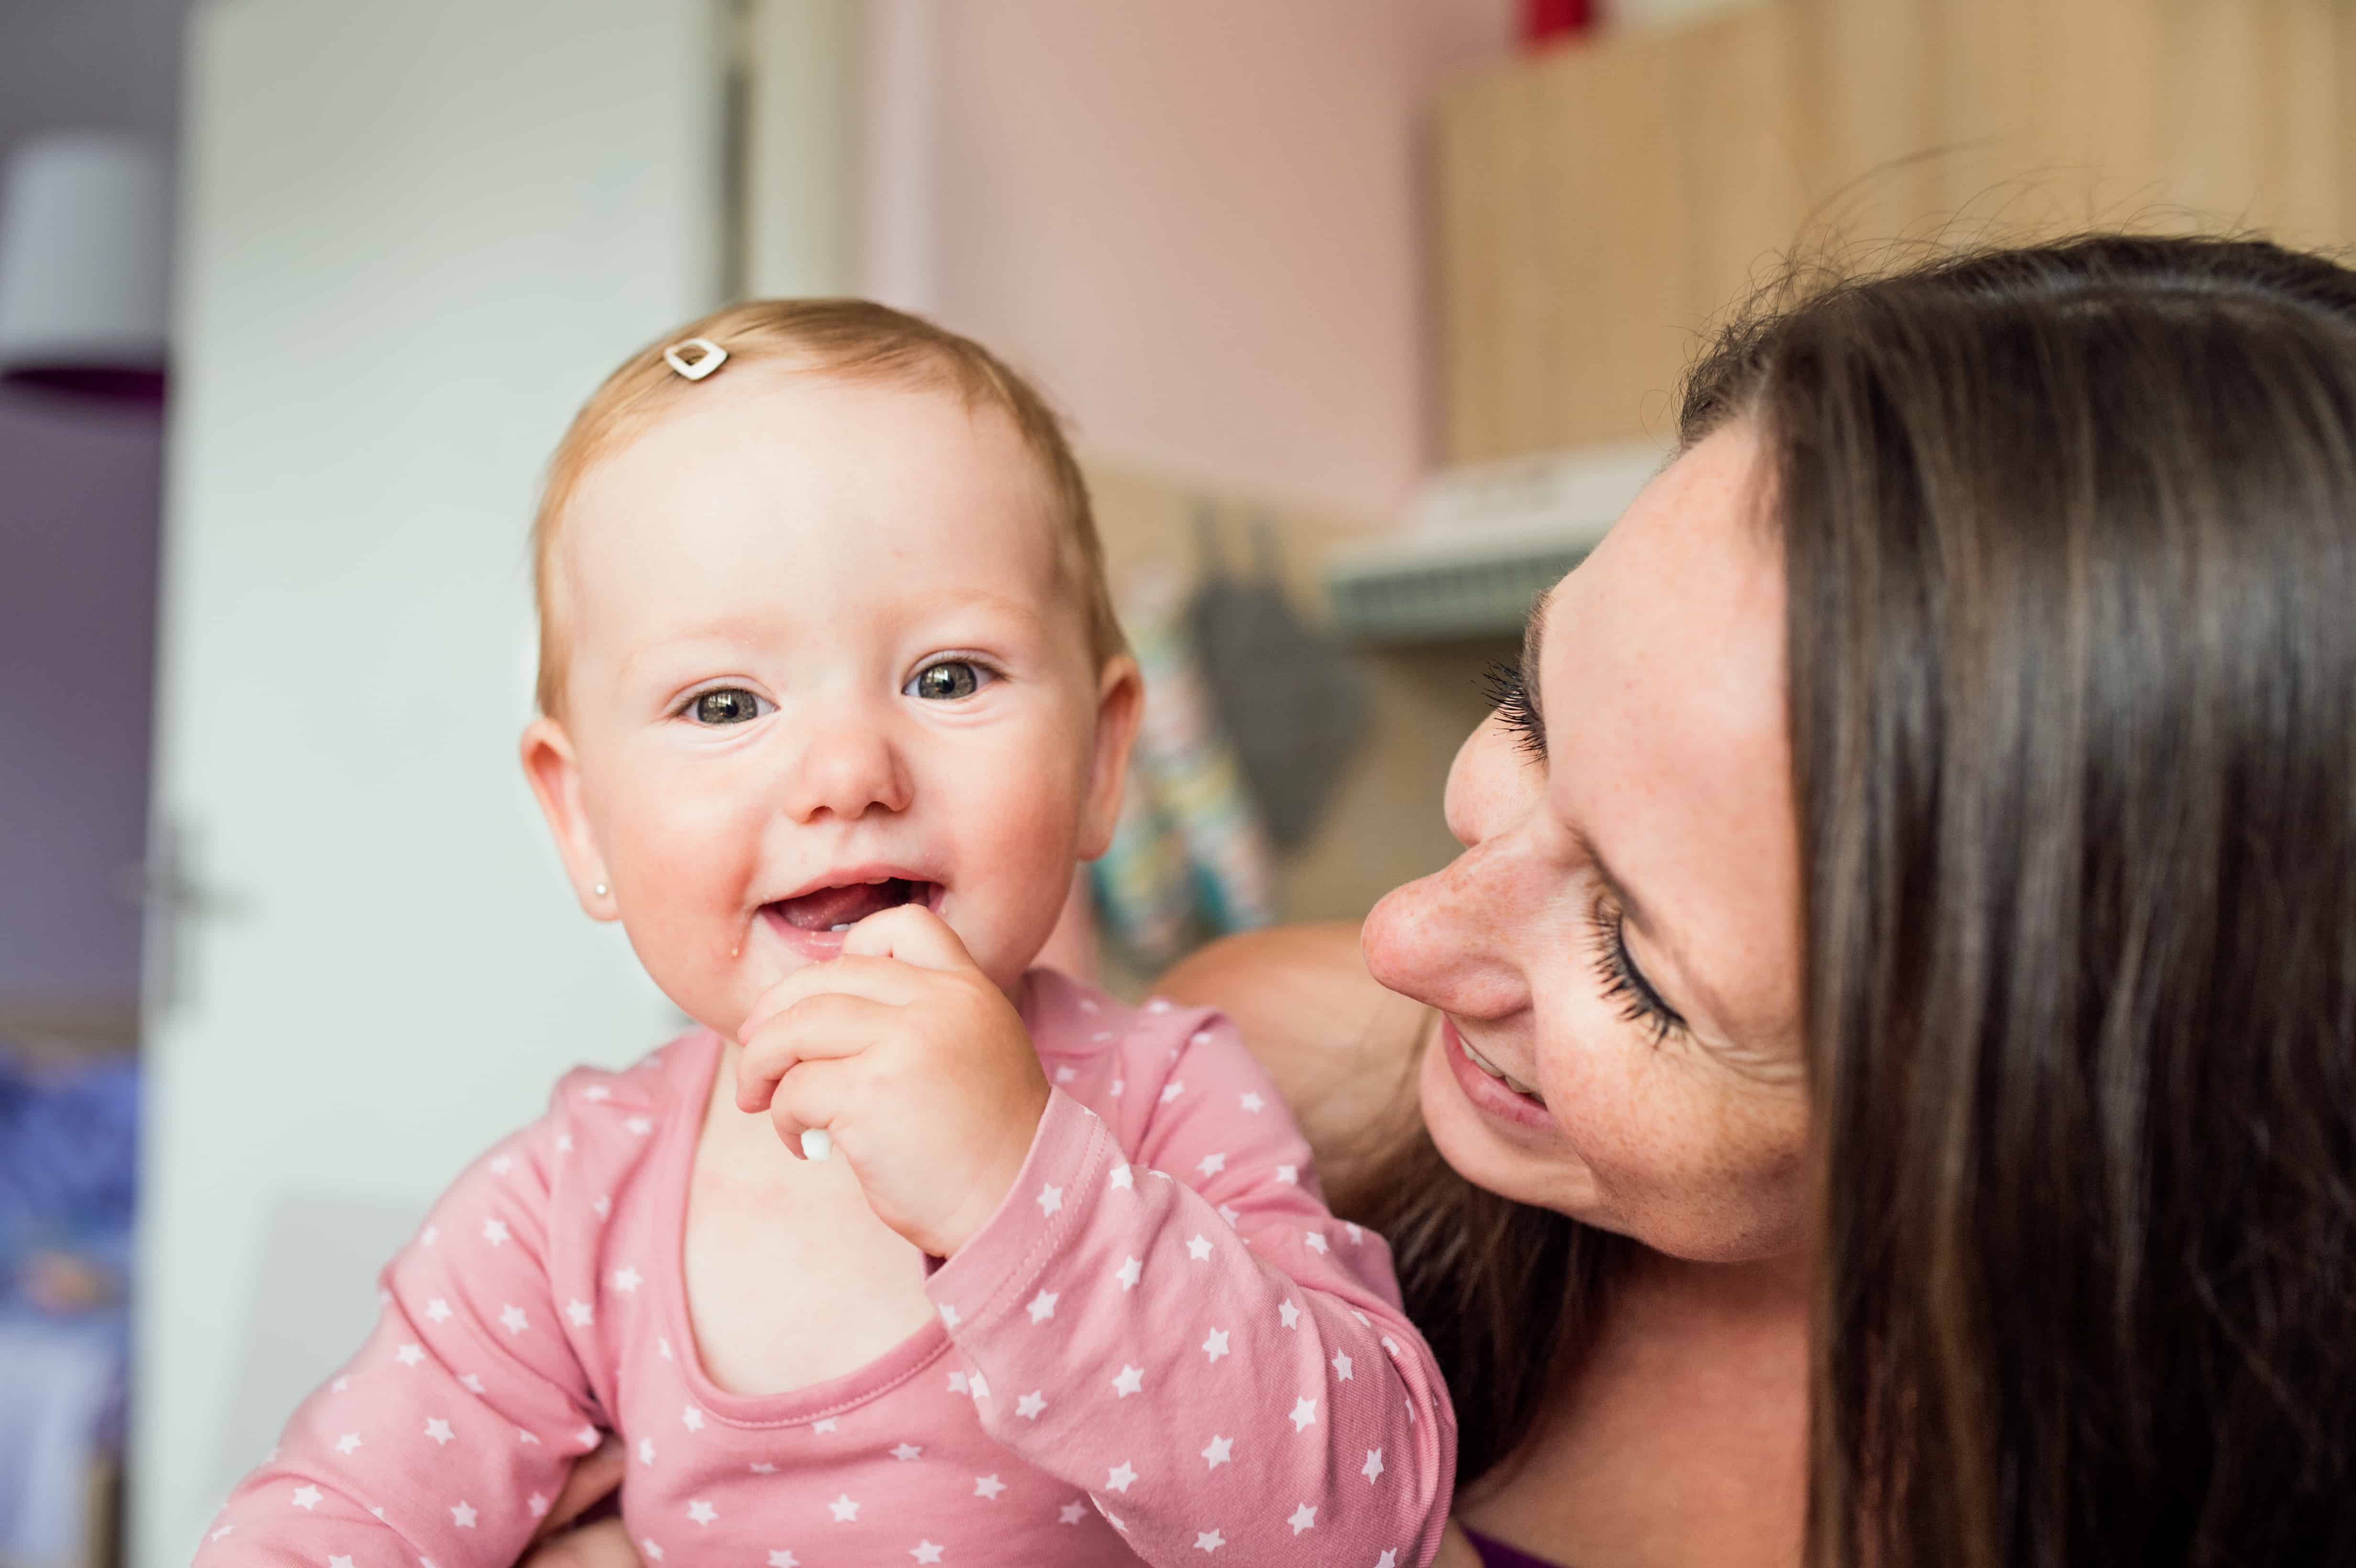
(446,1438)
(1164,1314)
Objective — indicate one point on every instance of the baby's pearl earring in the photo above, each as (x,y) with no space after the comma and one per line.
(601,890)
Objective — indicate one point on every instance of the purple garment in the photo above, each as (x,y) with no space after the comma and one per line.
(1497,1555)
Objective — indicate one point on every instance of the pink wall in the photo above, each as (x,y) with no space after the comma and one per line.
(1199,224)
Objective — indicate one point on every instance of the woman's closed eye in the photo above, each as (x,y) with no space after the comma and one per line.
(1509,694)
(948,680)
(1623,981)
(725,705)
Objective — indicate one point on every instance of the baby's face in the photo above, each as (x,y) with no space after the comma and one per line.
(822,659)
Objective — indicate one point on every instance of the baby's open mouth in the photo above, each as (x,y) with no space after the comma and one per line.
(845,905)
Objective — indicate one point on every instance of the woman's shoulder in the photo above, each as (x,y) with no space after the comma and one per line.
(1341,1048)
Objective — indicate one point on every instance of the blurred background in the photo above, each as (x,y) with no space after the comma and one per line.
(1367,314)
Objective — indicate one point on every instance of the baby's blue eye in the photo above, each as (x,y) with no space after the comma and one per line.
(729,705)
(946,681)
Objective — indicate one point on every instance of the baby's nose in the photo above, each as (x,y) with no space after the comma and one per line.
(849,767)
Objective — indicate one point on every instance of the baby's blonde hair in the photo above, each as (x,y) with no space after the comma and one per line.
(852,339)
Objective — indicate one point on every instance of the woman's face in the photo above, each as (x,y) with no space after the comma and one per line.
(1621,937)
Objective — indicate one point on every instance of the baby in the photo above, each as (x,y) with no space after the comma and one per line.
(911,1252)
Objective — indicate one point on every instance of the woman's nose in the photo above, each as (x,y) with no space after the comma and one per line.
(849,765)
(1449,940)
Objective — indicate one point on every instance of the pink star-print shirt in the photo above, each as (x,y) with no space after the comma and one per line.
(1162,1346)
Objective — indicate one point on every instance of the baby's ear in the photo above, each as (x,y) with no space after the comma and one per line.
(1121,698)
(555,777)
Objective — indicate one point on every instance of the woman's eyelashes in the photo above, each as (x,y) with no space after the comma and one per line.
(1509,694)
(1615,967)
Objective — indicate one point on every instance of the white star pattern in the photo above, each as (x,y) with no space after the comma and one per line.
(1209,1540)
(1252,1102)
(523,1437)
(987,1487)
(1029,1405)
(581,1314)
(1200,1037)
(1065,1073)
(645,1450)
(1129,1274)
(906,1451)
(1373,1468)
(439,1430)
(1227,1212)
(1288,1174)
(1357,1232)
(640,1125)
(224,1530)
(843,1509)
(1341,1366)
(495,1232)
(586,1437)
(1316,1241)
(701,1512)
(662,1345)
(1304,1518)
(826,1426)
(1117,1085)
(960,1384)
(1211,1164)
(348,1441)
(1158,1005)
(762,1468)
(1118,1478)
(1171,1090)
(980,1389)
(503,1164)
(339,1562)
(431,1235)
(1290,1313)
(437,1310)
(463,1515)
(1051,1199)
(1072,1513)
(1305,1414)
(1124,1178)
(925,1552)
(1216,1345)
(1220,1452)
(512,1318)
(471,1383)
(784,1560)
(1132,1379)
(341,1384)
(1089,1004)
(307,1497)
(654,1553)
(1389,1558)
(949,1315)
(537,1505)
(1042,1306)
(691,1418)
(1391,1344)
(1199,1248)
(564,1143)
(596,1091)
(603,1205)
(409,1355)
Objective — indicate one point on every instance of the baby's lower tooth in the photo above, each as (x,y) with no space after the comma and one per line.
(844,926)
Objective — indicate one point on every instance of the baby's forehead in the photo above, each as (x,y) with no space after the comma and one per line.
(841,493)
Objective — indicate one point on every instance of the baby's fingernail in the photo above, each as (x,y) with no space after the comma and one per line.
(816,1143)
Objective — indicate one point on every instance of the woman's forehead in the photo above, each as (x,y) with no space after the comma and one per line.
(1660,678)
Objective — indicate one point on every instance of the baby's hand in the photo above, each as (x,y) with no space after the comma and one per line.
(916,1065)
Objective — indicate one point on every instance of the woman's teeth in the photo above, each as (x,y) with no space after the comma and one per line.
(1499,1073)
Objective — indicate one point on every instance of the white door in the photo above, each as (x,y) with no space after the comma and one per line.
(415,235)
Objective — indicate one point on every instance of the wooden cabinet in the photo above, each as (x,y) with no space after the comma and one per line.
(1600,205)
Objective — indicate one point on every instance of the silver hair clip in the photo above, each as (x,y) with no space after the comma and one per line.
(709,357)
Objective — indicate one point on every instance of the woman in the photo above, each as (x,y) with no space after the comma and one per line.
(1890,1089)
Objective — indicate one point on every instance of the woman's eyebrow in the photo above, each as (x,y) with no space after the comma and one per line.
(1533,645)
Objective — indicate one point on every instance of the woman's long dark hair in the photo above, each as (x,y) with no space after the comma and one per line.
(2071,539)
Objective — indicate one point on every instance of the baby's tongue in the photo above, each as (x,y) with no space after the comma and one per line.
(830,907)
